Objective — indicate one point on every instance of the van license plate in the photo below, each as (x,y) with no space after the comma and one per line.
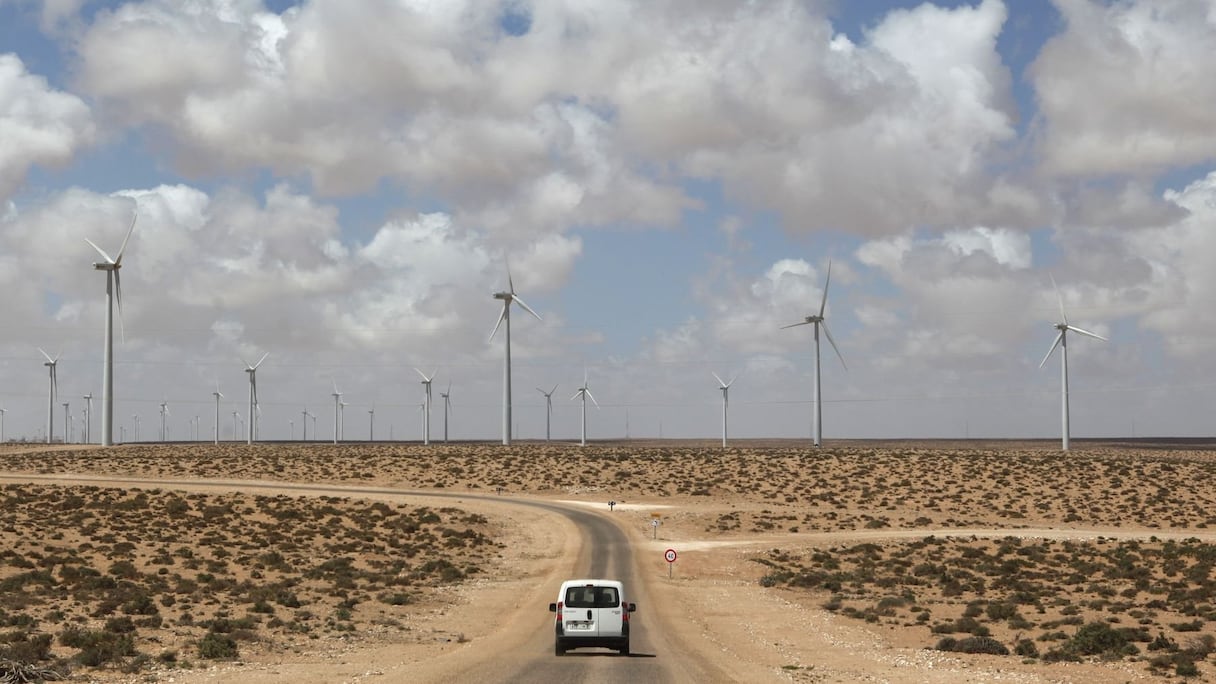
(578,624)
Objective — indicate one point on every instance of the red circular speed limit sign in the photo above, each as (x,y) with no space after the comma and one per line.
(670,555)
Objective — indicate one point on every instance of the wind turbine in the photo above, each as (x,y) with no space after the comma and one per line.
(507,297)
(218,395)
(236,432)
(337,409)
(1061,341)
(447,406)
(304,425)
(342,420)
(54,390)
(817,320)
(584,392)
(113,294)
(2,412)
(548,408)
(135,419)
(371,424)
(164,411)
(67,423)
(253,393)
(426,407)
(88,418)
(725,387)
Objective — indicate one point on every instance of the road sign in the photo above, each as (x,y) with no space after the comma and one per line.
(670,555)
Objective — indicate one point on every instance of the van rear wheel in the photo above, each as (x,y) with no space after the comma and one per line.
(625,648)
(558,649)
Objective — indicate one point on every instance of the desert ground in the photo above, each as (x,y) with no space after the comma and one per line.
(859,561)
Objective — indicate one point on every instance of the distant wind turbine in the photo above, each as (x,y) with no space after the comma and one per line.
(2,412)
(253,394)
(1061,341)
(67,423)
(337,409)
(218,395)
(113,295)
(426,410)
(548,408)
(447,407)
(725,387)
(584,392)
(507,297)
(52,364)
(817,320)
(164,412)
(371,424)
(304,425)
(88,418)
(135,419)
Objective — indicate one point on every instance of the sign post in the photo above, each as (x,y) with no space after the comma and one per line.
(670,556)
(654,523)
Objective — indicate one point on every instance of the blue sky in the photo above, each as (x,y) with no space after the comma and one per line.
(342,183)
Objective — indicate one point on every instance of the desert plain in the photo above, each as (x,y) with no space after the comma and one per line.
(858,561)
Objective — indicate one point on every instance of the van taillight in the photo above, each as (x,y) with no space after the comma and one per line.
(624,612)
(559,611)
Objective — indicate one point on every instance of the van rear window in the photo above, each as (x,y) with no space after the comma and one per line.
(592,597)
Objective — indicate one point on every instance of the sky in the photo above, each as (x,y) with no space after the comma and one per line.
(342,185)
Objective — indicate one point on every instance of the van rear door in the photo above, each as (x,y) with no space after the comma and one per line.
(580,616)
(610,618)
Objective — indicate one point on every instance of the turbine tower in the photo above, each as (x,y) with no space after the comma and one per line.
(426,406)
(304,425)
(817,320)
(1061,341)
(507,297)
(253,394)
(548,408)
(52,364)
(88,418)
(447,407)
(218,395)
(725,387)
(371,424)
(337,409)
(67,423)
(113,295)
(584,392)
(2,412)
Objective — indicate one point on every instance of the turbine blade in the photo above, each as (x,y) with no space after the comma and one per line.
(122,332)
(831,341)
(540,390)
(795,325)
(1060,298)
(48,356)
(1086,332)
(526,307)
(501,316)
(100,251)
(424,377)
(720,380)
(553,390)
(1053,348)
(134,218)
(732,380)
(828,281)
(255,366)
(510,283)
(575,396)
(592,397)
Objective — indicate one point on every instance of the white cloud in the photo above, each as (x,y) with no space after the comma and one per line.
(1127,87)
(38,124)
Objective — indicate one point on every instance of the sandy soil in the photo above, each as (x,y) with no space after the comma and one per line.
(721,511)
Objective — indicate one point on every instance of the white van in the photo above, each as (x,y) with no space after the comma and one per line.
(591,612)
